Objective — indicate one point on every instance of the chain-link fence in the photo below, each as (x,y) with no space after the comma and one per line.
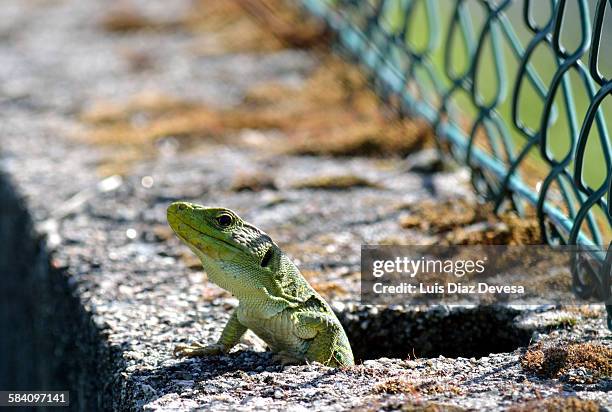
(518,90)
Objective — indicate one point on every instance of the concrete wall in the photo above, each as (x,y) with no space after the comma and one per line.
(48,340)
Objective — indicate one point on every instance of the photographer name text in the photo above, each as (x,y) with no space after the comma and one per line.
(450,288)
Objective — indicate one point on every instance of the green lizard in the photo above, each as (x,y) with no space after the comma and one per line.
(275,301)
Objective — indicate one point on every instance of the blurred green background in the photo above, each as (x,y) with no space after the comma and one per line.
(543,61)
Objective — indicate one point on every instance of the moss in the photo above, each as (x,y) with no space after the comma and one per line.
(401,385)
(288,24)
(409,406)
(412,406)
(223,26)
(340,115)
(432,387)
(463,222)
(334,182)
(555,361)
(140,124)
(544,280)
(136,126)
(506,228)
(228,26)
(557,404)
(332,114)
(127,19)
(586,311)
(148,104)
(253,182)
(365,139)
(328,289)
(394,386)
(437,217)
(564,322)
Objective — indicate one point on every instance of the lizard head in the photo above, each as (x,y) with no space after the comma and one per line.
(222,240)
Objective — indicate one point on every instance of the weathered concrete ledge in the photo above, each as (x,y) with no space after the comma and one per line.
(50,340)
(97,291)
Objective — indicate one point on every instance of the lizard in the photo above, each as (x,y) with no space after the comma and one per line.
(275,301)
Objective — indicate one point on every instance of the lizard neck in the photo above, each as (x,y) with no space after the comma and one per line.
(259,298)
(226,276)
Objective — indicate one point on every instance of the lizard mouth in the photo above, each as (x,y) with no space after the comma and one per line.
(200,232)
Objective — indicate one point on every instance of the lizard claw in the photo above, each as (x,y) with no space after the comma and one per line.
(197,349)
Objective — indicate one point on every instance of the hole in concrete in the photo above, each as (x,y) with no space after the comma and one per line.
(451,332)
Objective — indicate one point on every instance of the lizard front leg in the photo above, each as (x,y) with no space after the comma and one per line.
(230,337)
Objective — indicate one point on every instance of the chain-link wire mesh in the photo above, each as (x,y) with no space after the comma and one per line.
(518,90)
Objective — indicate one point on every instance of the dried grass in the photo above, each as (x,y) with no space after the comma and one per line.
(461,222)
(557,404)
(554,361)
(333,113)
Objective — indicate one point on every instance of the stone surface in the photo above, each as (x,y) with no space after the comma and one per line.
(110,291)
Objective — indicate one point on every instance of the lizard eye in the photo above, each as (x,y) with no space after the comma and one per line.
(224,220)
